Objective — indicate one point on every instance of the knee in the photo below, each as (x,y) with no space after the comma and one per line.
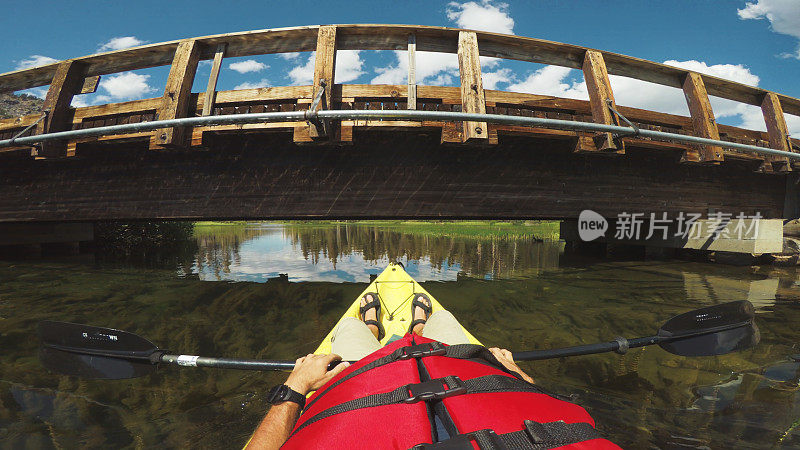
(441,315)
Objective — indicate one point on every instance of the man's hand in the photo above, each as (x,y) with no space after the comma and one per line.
(311,372)
(505,358)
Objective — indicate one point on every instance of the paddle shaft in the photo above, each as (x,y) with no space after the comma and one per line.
(226,363)
(619,345)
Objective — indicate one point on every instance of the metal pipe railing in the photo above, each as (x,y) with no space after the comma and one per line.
(412,115)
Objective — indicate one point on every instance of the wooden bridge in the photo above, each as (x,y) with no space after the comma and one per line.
(378,167)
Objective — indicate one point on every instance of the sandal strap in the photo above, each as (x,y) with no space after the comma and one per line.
(375,303)
(427,308)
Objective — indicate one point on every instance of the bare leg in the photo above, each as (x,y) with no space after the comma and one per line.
(370,314)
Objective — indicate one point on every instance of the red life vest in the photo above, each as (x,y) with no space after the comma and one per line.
(391,399)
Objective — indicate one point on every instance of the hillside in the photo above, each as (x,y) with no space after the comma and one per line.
(15,105)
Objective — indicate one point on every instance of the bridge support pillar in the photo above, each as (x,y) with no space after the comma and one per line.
(777,130)
(175,102)
(67,82)
(601,100)
(703,120)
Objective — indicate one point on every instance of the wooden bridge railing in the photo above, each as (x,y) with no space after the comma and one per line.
(80,75)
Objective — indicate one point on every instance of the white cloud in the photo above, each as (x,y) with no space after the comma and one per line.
(126,85)
(39,92)
(291,56)
(248,65)
(432,68)
(349,66)
(484,16)
(254,84)
(492,79)
(552,80)
(35,61)
(783,16)
(119,43)
(78,102)
(564,82)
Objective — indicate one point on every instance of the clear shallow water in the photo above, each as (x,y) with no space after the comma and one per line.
(223,300)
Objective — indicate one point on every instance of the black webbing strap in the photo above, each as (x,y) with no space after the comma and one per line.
(460,351)
(535,436)
(429,390)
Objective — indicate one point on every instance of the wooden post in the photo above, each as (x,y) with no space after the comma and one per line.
(412,72)
(175,102)
(211,90)
(324,68)
(777,131)
(599,87)
(703,120)
(472,96)
(67,81)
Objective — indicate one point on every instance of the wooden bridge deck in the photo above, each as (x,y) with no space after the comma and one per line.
(710,178)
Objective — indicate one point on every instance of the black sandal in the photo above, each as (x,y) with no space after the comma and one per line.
(375,303)
(427,308)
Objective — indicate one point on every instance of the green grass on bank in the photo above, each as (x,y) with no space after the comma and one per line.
(546,230)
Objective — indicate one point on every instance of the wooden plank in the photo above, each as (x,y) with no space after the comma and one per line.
(109,109)
(777,131)
(264,94)
(175,102)
(703,120)
(90,84)
(211,89)
(600,94)
(412,71)
(324,69)
(472,96)
(66,83)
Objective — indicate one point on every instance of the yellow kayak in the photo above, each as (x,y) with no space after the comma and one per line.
(396,290)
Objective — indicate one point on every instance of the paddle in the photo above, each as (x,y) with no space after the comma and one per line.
(94,352)
(710,331)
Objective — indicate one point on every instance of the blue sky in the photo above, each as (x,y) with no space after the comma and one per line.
(755,42)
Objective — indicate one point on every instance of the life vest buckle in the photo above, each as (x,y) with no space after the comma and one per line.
(422,350)
(436,389)
(483,439)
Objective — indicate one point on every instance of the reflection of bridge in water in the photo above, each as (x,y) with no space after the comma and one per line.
(389,167)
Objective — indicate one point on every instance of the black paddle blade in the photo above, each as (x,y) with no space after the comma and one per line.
(715,330)
(79,338)
(93,366)
(94,352)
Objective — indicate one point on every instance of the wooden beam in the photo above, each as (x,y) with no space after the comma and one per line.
(324,69)
(703,120)
(393,37)
(777,131)
(472,96)
(66,83)
(600,93)
(412,72)
(175,102)
(211,89)
(90,84)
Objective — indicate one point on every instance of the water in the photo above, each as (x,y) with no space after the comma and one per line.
(223,297)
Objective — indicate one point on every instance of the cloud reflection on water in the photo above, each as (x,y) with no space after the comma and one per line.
(272,253)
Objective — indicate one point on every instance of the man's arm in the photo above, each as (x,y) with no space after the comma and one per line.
(507,360)
(310,373)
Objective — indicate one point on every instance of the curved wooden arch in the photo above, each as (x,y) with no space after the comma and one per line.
(70,77)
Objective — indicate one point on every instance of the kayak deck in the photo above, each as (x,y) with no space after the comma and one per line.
(396,289)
